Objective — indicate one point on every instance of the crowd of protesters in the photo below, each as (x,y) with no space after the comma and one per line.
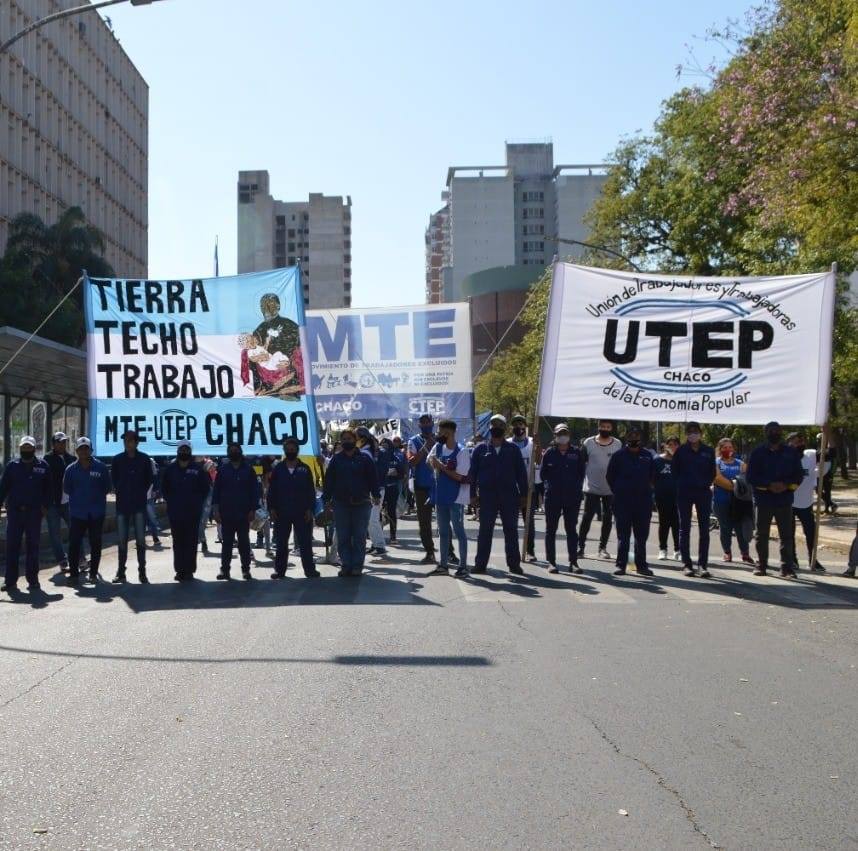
(367,483)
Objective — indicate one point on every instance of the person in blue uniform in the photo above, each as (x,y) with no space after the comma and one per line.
(351,488)
(630,475)
(665,499)
(25,488)
(395,474)
(235,499)
(498,487)
(694,470)
(185,486)
(291,500)
(562,472)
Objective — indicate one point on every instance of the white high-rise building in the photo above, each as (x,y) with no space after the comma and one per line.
(500,216)
(74,129)
(313,234)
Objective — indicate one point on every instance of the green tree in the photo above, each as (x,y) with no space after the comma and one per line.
(41,265)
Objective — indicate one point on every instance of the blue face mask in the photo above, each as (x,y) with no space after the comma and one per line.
(426,429)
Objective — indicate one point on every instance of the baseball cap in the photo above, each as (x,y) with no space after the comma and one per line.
(26,440)
(561,427)
(83,441)
(182,444)
(498,418)
(59,436)
(518,418)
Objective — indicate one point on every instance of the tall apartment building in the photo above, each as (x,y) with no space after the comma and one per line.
(313,234)
(500,216)
(74,125)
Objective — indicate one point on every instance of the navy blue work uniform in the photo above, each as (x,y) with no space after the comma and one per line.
(292,494)
(499,480)
(185,489)
(562,474)
(236,496)
(630,476)
(694,471)
(665,502)
(26,490)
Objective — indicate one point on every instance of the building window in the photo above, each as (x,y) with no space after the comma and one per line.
(292,232)
(281,221)
(347,258)
(306,259)
(306,217)
(292,260)
(292,246)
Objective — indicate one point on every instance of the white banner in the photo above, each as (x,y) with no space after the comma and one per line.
(391,362)
(629,345)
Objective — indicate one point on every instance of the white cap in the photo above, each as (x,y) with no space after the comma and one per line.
(498,418)
(83,441)
(59,437)
(26,440)
(183,443)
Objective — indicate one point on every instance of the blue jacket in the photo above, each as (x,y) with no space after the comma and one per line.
(563,475)
(498,476)
(87,489)
(630,475)
(767,465)
(236,491)
(693,470)
(132,478)
(397,470)
(292,494)
(185,491)
(423,475)
(26,487)
(665,480)
(351,480)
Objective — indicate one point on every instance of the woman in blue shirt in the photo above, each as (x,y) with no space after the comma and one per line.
(733,516)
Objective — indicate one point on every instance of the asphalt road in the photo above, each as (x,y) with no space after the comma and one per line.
(397,711)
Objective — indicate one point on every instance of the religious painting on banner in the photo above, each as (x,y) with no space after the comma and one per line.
(210,360)
(392,362)
(670,348)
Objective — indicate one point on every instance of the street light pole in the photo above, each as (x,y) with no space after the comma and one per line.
(66,13)
(595,248)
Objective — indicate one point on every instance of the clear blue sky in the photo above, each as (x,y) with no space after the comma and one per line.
(376,101)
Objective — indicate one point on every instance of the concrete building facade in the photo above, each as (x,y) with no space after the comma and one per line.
(74,129)
(501,216)
(313,234)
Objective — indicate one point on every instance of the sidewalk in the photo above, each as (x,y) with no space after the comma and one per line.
(837,531)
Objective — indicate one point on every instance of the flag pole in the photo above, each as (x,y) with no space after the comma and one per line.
(823,449)
(534,431)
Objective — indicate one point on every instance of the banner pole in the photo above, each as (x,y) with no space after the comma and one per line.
(534,432)
(823,451)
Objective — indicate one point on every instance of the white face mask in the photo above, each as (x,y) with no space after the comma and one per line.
(562,439)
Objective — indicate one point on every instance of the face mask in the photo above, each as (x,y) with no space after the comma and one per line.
(774,437)
(726,453)
(348,445)
(694,437)
(426,429)
(562,439)
(518,431)
(184,456)
(497,431)
(604,432)
(634,444)
(291,454)
(28,454)
(442,438)
(234,456)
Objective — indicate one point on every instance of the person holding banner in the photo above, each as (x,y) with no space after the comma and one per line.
(291,501)
(563,469)
(185,486)
(630,475)
(131,472)
(597,493)
(351,489)
(235,499)
(498,486)
(451,493)
(527,447)
(694,469)
(774,472)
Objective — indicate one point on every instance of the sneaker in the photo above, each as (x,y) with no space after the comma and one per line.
(394,542)
(517,570)
(788,573)
(312,575)
(440,570)
(818,568)
(603,553)
(64,566)
(8,588)
(704,573)
(245,574)
(119,579)
(727,557)
(453,559)
(429,558)
(662,555)
(580,552)
(142,577)
(553,568)
(689,570)
(573,568)
(760,571)
(224,574)
(644,571)
(156,541)
(677,556)
(620,571)
(462,572)
(278,575)
(530,558)
(850,572)
(746,558)
(381,551)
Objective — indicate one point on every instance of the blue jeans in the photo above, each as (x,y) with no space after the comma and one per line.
(124,524)
(351,523)
(152,519)
(452,515)
(204,517)
(57,513)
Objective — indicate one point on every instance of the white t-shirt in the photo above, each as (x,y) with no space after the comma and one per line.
(463,467)
(526,452)
(803,496)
